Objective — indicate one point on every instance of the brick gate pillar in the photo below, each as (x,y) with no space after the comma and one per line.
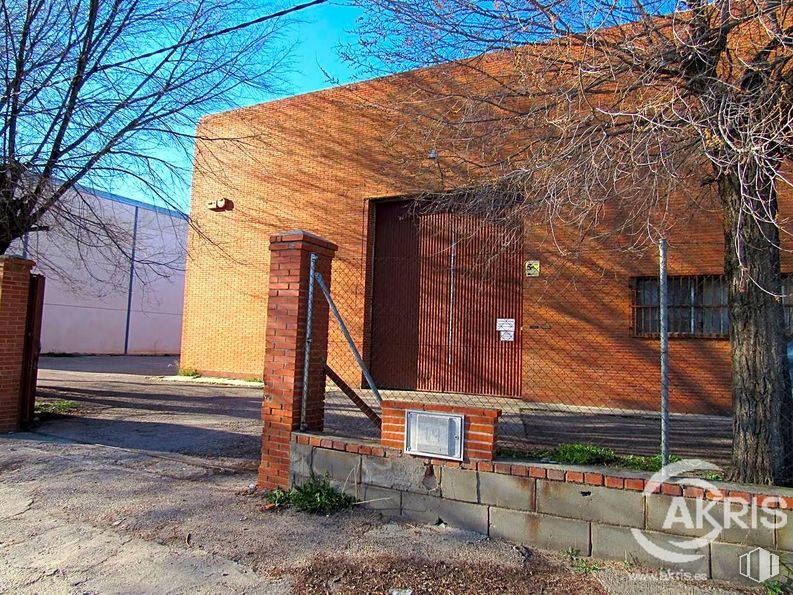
(14,287)
(290,255)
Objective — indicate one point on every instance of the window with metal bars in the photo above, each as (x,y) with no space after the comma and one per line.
(697,306)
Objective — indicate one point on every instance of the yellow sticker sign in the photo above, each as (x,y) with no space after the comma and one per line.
(532,268)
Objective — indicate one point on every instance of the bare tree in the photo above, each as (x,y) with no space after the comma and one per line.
(596,113)
(97,90)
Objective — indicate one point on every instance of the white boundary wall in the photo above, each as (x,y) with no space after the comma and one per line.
(111,296)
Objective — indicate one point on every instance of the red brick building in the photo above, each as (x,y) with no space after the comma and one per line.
(335,164)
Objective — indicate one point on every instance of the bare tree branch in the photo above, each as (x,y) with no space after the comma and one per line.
(598,117)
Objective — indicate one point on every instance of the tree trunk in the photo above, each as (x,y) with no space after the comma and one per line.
(6,233)
(761,389)
(15,212)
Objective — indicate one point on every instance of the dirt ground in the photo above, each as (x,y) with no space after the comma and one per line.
(144,488)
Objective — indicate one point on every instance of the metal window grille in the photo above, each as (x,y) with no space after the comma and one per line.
(697,306)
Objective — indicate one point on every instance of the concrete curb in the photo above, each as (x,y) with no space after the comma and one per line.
(208,380)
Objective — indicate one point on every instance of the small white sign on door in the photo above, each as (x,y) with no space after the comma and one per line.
(506,328)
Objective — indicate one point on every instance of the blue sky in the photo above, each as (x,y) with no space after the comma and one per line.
(316,36)
(326,26)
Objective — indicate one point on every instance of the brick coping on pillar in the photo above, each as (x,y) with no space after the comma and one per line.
(491,412)
(18,260)
(577,474)
(306,237)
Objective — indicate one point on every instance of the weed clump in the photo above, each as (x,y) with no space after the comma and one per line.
(53,408)
(189,372)
(315,496)
(577,453)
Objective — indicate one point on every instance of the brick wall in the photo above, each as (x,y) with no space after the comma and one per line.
(14,285)
(317,161)
(480,426)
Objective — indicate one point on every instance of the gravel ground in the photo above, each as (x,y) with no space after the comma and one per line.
(144,489)
(388,573)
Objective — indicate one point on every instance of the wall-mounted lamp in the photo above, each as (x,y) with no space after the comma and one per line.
(221,204)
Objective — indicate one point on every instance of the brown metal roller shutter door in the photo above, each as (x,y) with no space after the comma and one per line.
(440,283)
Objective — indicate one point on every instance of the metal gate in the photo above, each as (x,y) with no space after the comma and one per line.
(446,303)
(394,311)
(32,349)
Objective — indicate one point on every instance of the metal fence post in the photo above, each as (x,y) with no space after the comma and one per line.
(307,348)
(663,304)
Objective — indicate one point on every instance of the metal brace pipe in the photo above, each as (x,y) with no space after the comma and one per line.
(346,333)
(353,396)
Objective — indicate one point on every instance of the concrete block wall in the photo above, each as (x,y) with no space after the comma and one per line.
(14,287)
(595,511)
